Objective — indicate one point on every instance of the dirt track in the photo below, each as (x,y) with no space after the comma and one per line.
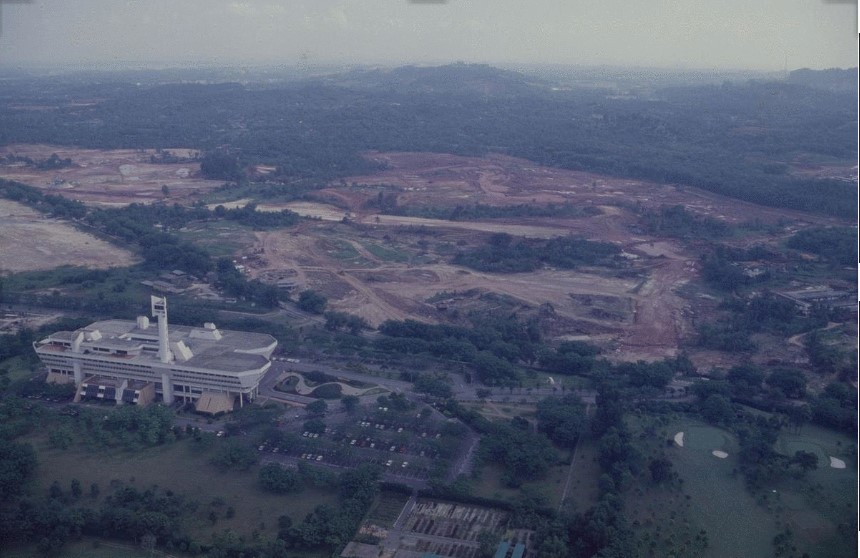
(640,317)
(391,267)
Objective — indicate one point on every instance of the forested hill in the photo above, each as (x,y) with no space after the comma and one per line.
(455,79)
(834,79)
(737,139)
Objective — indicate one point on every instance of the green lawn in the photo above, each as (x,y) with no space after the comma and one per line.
(719,501)
(86,548)
(815,507)
(345,252)
(183,468)
(583,492)
(713,496)
(489,485)
(385,254)
(18,369)
(220,238)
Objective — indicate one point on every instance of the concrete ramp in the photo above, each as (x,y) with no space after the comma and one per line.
(214,402)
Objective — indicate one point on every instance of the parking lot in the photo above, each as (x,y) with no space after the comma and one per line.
(408,444)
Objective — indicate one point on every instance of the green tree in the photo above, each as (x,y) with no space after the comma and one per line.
(76,489)
(312,301)
(717,409)
(318,407)
(746,379)
(350,403)
(274,478)
(791,382)
(806,460)
(437,387)
(17,466)
(315,426)
(660,469)
(220,165)
(234,455)
(562,420)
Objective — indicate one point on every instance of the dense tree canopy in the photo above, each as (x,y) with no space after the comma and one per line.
(695,135)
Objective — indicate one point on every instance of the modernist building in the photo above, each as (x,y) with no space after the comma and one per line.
(134,362)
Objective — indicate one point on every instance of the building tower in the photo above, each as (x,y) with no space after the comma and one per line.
(159,310)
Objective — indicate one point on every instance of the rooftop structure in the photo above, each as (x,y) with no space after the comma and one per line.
(825,296)
(193,364)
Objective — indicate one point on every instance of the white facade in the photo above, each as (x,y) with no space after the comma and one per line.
(181,362)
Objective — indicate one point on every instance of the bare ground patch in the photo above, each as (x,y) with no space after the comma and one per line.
(113,177)
(29,241)
(639,314)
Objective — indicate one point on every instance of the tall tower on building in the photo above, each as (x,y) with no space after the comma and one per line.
(159,310)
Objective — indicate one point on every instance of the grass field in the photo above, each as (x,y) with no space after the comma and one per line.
(713,497)
(345,252)
(86,548)
(583,491)
(710,496)
(815,507)
(17,369)
(489,485)
(385,254)
(221,238)
(736,524)
(185,469)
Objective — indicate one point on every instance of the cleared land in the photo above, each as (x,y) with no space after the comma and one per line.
(30,241)
(380,266)
(383,267)
(110,177)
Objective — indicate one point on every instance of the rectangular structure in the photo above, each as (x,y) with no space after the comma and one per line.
(180,362)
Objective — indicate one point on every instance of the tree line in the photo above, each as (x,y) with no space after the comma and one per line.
(694,135)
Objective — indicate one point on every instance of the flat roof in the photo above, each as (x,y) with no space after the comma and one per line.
(231,351)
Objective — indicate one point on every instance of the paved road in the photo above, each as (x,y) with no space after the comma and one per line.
(463,465)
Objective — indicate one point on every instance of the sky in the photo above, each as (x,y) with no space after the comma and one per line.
(690,34)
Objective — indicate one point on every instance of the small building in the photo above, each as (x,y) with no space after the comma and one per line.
(806,298)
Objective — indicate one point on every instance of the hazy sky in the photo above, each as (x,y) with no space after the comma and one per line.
(725,34)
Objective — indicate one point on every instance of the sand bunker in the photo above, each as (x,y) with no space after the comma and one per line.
(836,463)
(719,453)
(679,439)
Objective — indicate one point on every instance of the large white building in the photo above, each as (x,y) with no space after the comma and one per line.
(134,361)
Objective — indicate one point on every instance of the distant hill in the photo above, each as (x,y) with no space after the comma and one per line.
(833,79)
(451,78)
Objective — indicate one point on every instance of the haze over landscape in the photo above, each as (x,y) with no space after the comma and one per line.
(699,34)
(444,278)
